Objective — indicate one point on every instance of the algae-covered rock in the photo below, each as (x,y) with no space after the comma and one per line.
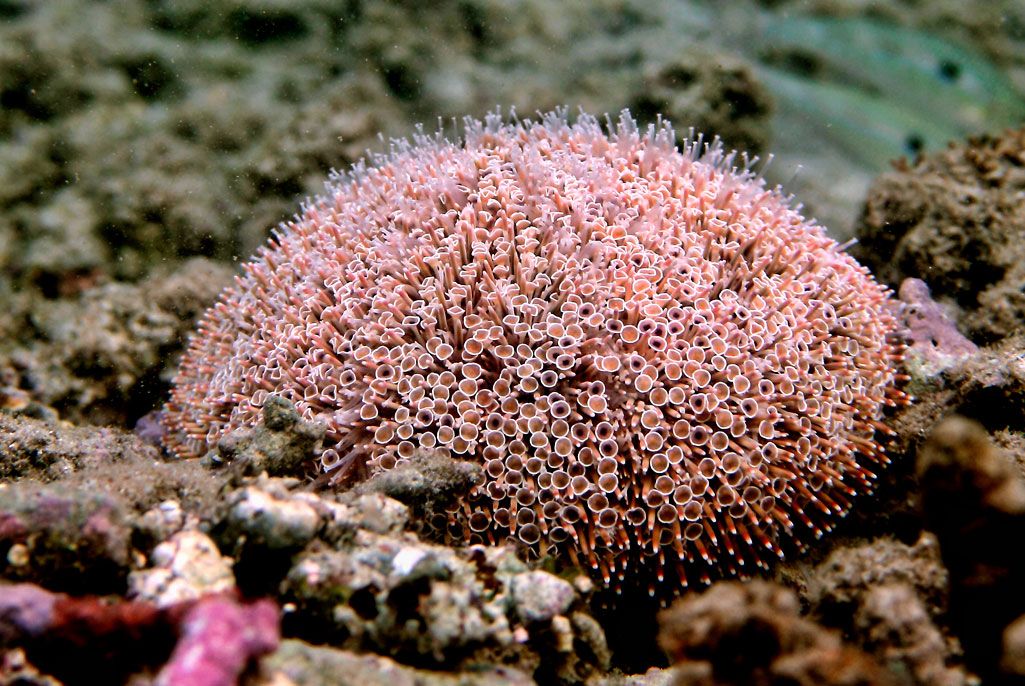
(71,537)
(280,445)
(105,356)
(431,483)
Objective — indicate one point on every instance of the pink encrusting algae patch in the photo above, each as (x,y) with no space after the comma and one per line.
(663,369)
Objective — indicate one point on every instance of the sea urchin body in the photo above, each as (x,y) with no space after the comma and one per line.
(663,369)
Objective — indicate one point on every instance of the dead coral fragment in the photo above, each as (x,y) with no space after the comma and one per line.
(658,363)
(380,589)
(184,567)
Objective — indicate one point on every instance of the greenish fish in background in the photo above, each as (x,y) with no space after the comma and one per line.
(852,94)
(878,90)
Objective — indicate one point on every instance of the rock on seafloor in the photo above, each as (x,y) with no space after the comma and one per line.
(974,500)
(342,566)
(953,218)
(738,634)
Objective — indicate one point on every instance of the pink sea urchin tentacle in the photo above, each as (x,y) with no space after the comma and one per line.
(661,365)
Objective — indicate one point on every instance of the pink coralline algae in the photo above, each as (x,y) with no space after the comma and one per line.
(663,369)
(96,640)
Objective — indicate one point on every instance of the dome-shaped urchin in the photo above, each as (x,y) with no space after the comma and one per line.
(662,367)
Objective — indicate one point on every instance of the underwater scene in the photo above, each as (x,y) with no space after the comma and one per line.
(511,342)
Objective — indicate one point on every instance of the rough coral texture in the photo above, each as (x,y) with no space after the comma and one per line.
(47,451)
(840,583)
(657,361)
(753,634)
(991,385)
(974,500)
(953,218)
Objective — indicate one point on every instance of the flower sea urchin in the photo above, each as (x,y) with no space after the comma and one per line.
(660,365)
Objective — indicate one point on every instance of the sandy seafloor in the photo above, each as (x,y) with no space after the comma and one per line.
(148,146)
